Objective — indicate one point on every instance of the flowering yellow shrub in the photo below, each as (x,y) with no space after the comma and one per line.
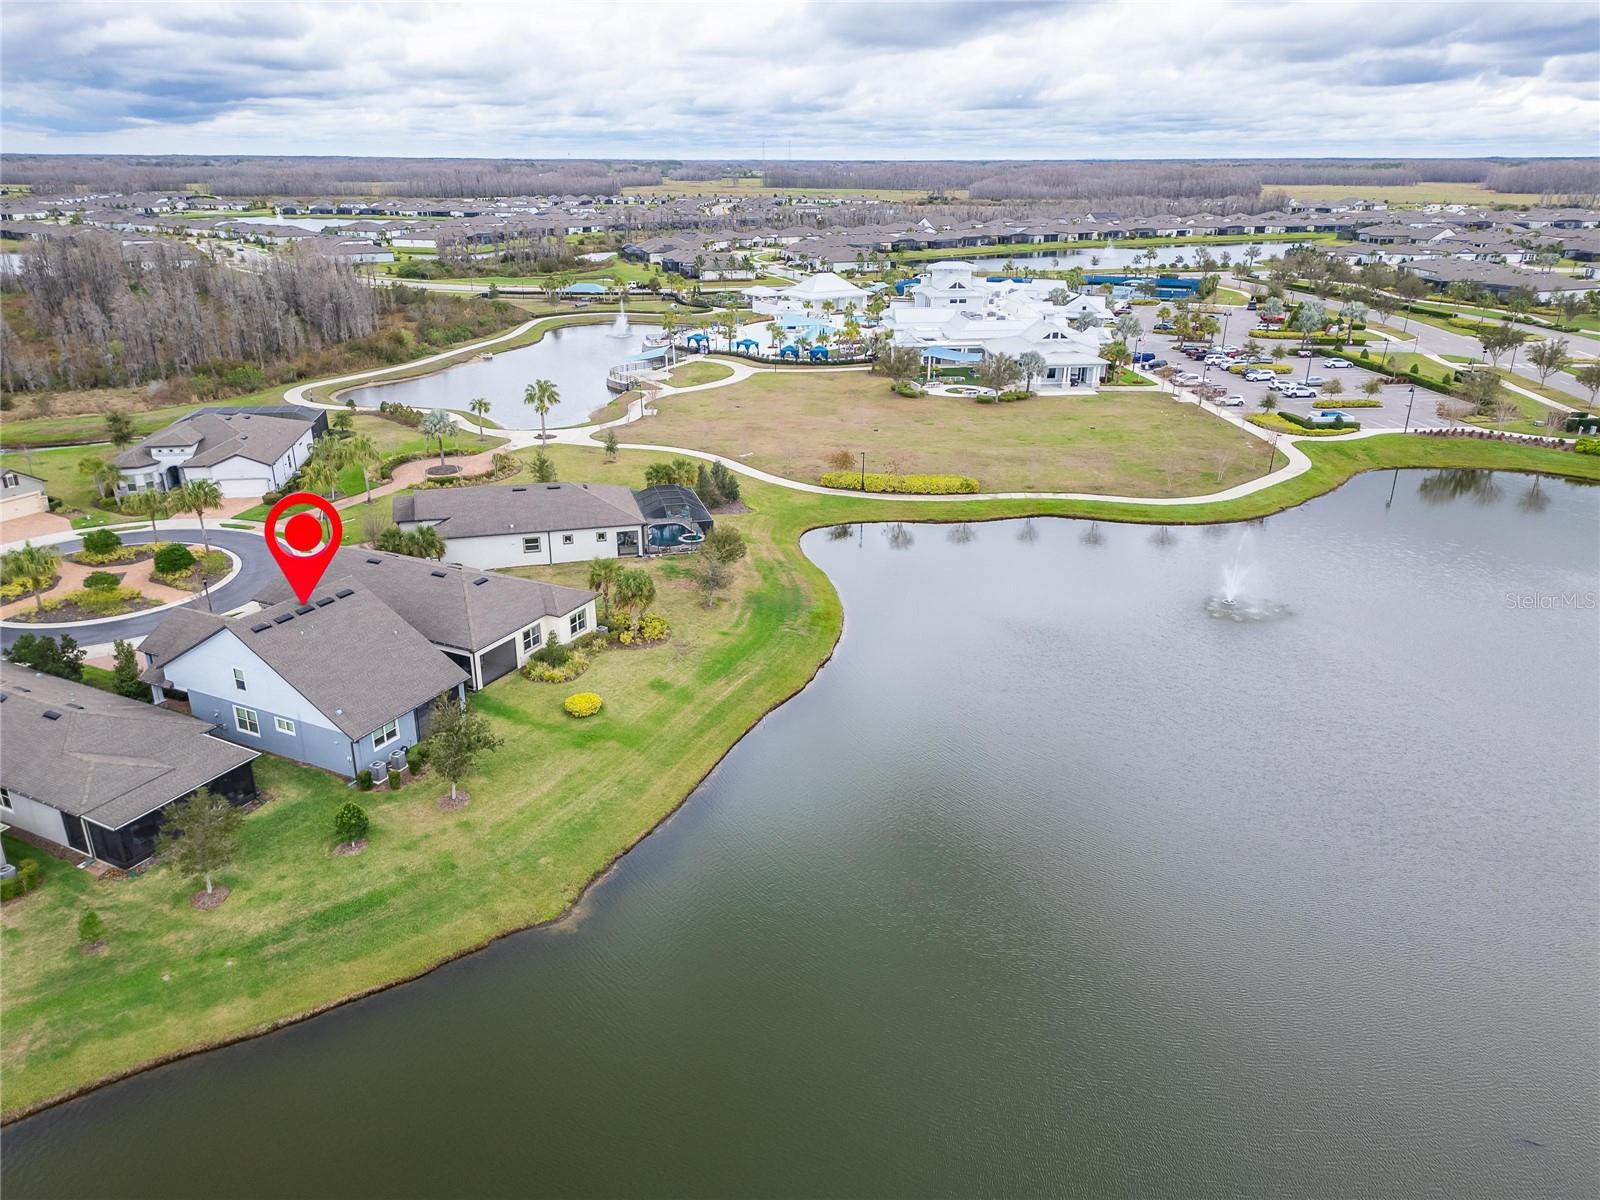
(582,704)
(908,485)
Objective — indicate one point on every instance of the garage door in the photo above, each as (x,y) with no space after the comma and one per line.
(244,487)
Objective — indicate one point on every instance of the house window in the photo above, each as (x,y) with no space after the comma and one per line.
(246,721)
(5,799)
(283,726)
(386,735)
(578,622)
(530,639)
(238,679)
(566,539)
(601,536)
(532,545)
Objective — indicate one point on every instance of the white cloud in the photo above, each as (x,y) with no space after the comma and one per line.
(846,80)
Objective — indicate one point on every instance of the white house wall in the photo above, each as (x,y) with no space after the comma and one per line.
(505,549)
(36,818)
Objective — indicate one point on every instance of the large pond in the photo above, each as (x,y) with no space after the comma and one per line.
(575,358)
(1109,258)
(1056,881)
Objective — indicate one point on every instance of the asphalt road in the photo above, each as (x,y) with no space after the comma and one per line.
(256,570)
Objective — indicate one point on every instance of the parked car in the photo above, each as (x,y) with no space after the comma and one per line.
(1156,364)
(1304,353)
(1259,376)
(1217,360)
(1188,377)
(1232,401)
(1143,357)
(1251,306)
(1314,381)
(1164,327)
(1336,363)
(1298,391)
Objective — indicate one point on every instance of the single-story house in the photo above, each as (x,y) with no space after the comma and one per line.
(21,495)
(338,682)
(94,772)
(245,454)
(484,622)
(542,523)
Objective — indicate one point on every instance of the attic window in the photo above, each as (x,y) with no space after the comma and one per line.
(343,592)
(282,617)
(260,625)
(51,714)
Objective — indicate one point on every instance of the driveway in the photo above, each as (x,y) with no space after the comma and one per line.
(257,568)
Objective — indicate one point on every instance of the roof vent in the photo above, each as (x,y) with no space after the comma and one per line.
(480,581)
(79,707)
(260,625)
(282,617)
(343,592)
(438,574)
(375,561)
(552,487)
(519,489)
(51,714)
(303,609)
(324,602)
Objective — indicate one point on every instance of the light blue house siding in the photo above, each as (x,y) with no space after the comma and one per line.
(308,743)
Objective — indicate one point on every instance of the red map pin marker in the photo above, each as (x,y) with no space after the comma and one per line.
(301,554)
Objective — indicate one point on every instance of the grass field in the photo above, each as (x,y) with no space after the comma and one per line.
(1411,193)
(549,811)
(691,374)
(1119,443)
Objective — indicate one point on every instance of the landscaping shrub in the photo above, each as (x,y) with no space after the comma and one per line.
(90,927)
(1015,394)
(1339,423)
(416,756)
(173,558)
(101,602)
(364,780)
(99,581)
(350,823)
(23,882)
(653,628)
(904,387)
(63,659)
(577,662)
(552,653)
(100,544)
(905,485)
(1587,445)
(582,704)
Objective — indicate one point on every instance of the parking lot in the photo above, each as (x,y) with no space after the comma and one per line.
(1395,397)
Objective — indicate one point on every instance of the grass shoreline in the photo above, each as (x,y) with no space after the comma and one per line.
(797,594)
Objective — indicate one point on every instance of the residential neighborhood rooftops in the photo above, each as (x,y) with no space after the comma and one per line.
(105,757)
(519,508)
(464,609)
(346,651)
(218,437)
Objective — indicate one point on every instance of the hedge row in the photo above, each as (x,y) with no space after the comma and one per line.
(1340,423)
(905,485)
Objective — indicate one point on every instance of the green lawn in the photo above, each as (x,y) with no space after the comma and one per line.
(693,373)
(59,470)
(549,812)
(1119,443)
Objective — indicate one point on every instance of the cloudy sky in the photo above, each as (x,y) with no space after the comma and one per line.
(812,80)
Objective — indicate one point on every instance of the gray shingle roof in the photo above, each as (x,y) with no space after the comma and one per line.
(104,757)
(218,438)
(447,605)
(520,508)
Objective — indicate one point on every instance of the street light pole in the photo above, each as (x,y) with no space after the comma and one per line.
(1409,403)
(863,470)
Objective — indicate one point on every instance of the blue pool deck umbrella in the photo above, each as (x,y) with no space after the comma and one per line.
(818,353)
(790,351)
(746,344)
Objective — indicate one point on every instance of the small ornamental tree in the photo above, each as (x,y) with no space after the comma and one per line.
(725,544)
(101,543)
(201,833)
(611,445)
(125,674)
(350,823)
(90,928)
(456,740)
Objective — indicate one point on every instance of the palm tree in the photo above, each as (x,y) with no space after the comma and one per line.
(34,566)
(199,496)
(151,503)
(542,394)
(478,407)
(437,424)
(321,475)
(635,592)
(425,542)
(603,576)
(360,451)
(102,474)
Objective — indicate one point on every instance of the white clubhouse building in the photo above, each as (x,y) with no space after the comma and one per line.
(954,315)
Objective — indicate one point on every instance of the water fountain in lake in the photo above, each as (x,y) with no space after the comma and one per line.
(619,327)
(1233,602)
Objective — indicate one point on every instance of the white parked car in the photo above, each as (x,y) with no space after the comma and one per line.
(1299,392)
(1260,376)
(1314,381)
(1281,385)
(1188,378)
(1232,401)
(1337,363)
(1217,360)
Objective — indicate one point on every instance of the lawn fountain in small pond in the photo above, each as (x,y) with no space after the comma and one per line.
(1233,603)
(619,327)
